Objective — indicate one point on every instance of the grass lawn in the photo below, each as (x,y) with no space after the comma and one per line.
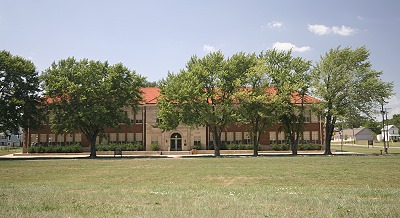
(364,149)
(336,186)
(4,150)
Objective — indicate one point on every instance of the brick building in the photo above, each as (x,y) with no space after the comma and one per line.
(142,129)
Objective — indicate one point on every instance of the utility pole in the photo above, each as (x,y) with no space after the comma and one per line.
(383,129)
(387,129)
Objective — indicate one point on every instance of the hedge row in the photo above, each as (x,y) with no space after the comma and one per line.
(302,147)
(77,148)
(122,147)
(240,147)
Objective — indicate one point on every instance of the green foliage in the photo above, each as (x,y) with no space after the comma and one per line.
(137,146)
(155,147)
(310,147)
(301,147)
(240,146)
(257,101)
(197,147)
(290,76)
(77,148)
(280,147)
(203,93)
(347,85)
(90,96)
(19,93)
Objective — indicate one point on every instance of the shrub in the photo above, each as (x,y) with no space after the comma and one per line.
(76,148)
(280,147)
(197,147)
(155,147)
(124,147)
(232,146)
(310,147)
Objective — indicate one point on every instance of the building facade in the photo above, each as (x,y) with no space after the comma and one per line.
(143,129)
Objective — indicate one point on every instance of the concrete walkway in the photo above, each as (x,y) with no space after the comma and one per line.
(21,156)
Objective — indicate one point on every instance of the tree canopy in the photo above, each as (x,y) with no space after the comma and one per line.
(203,94)
(290,77)
(89,96)
(19,93)
(347,85)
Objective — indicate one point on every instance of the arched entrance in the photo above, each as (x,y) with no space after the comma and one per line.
(176,142)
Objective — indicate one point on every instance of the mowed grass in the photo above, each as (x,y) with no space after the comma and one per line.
(364,149)
(335,186)
(4,150)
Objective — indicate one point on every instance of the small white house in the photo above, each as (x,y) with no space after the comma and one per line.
(391,133)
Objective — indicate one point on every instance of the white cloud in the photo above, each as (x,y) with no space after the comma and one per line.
(360,18)
(325,30)
(275,24)
(343,30)
(209,48)
(319,29)
(285,46)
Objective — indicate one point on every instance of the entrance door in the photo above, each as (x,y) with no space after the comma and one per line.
(176,142)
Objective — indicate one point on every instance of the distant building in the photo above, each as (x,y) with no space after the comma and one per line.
(391,133)
(10,140)
(350,135)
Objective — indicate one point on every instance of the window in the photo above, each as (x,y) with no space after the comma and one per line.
(139,117)
(69,139)
(307,117)
(42,139)
(306,137)
(238,137)
(229,138)
(138,137)
(130,137)
(223,137)
(314,118)
(197,141)
(60,139)
(78,138)
(315,136)
(113,137)
(281,138)
(121,138)
(246,139)
(34,139)
(52,139)
(272,138)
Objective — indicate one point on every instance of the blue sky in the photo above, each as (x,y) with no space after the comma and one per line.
(154,37)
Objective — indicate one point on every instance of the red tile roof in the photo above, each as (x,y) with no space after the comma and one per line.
(150,95)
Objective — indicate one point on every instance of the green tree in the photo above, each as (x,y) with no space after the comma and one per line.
(19,93)
(203,94)
(395,120)
(291,79)
(90,96)
(345,82)
(257,106)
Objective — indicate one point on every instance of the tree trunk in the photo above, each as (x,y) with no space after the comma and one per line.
(328,131)
(92,140)
(217,142)
(93,149)
(255,138)
(328,141)
(295,145)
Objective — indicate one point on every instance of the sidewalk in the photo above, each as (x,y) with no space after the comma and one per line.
(20,156)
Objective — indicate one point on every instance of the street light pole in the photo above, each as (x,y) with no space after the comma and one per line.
(383,129)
